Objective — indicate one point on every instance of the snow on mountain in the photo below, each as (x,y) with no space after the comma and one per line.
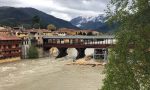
(93,22)
(79,21)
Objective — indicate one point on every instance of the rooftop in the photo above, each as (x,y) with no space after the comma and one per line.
(2,28)
(38,30)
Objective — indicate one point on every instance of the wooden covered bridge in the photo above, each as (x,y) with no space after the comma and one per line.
(80,43)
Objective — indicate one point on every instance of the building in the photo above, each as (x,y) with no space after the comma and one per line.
(10,49)
(5,32)
(22,34)
(47,32)
(26,43)
(100,53)
(37,34)
(65,31)
(2,28)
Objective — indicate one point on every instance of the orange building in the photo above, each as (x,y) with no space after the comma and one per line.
(9,48)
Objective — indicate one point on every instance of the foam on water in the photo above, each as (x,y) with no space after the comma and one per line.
(27,72)
(3,69)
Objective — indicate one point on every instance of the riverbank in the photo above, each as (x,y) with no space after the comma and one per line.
(49,74)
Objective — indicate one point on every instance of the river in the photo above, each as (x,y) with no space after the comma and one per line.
(49,74)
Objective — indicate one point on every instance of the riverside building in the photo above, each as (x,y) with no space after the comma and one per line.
(10,49)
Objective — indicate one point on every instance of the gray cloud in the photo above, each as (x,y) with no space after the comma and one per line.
(64,9)
(93,5)
(9,2)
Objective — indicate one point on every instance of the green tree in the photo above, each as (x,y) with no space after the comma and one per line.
(84,33)
(51,27)
(36,22)
(80,33)
(36,19)
(26,26)
(32,52)
(89,33)
(36,26)
(129,64)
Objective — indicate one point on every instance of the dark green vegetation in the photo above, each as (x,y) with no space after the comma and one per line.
(36,22)
(27,17)
(33,53)
(129,64)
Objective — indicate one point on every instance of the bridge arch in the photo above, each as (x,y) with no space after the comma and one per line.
(80,43)
(72,53)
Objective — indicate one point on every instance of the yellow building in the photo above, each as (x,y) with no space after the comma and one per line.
(46,32)
(22,34)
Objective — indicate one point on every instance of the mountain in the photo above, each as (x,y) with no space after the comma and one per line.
(93,22)
(14,16)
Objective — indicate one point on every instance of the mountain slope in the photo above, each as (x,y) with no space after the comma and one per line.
(14,16)
(93,22)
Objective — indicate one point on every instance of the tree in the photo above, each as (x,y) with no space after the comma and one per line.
(36,21)
(129,64)
(26,26)
(51,27)
(36,26)
(89,33)
(80,33)
(32,52)
(84,33)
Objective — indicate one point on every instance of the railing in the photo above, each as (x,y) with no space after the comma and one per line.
(10,43)
(10,49)
(81,42)
(11,54)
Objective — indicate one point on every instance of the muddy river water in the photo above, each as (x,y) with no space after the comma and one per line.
(49,74)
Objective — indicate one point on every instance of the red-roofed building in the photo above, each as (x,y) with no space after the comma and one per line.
(5,32)
(9,48)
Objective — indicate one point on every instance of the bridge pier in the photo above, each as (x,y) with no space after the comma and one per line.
(62,52)
(81,53)
(46,52)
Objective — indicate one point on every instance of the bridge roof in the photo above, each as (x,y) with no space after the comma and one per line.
(80,37)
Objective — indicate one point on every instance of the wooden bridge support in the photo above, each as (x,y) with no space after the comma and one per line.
(62,52)
(81,53)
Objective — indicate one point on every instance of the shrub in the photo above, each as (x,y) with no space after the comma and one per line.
(33,52)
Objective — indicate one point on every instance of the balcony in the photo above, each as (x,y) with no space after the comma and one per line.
(10,49)
(12,55)
(10,43)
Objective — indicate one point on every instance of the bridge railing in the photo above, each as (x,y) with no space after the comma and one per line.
(105,41)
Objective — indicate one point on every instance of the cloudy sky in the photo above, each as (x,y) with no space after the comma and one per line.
(64,9)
